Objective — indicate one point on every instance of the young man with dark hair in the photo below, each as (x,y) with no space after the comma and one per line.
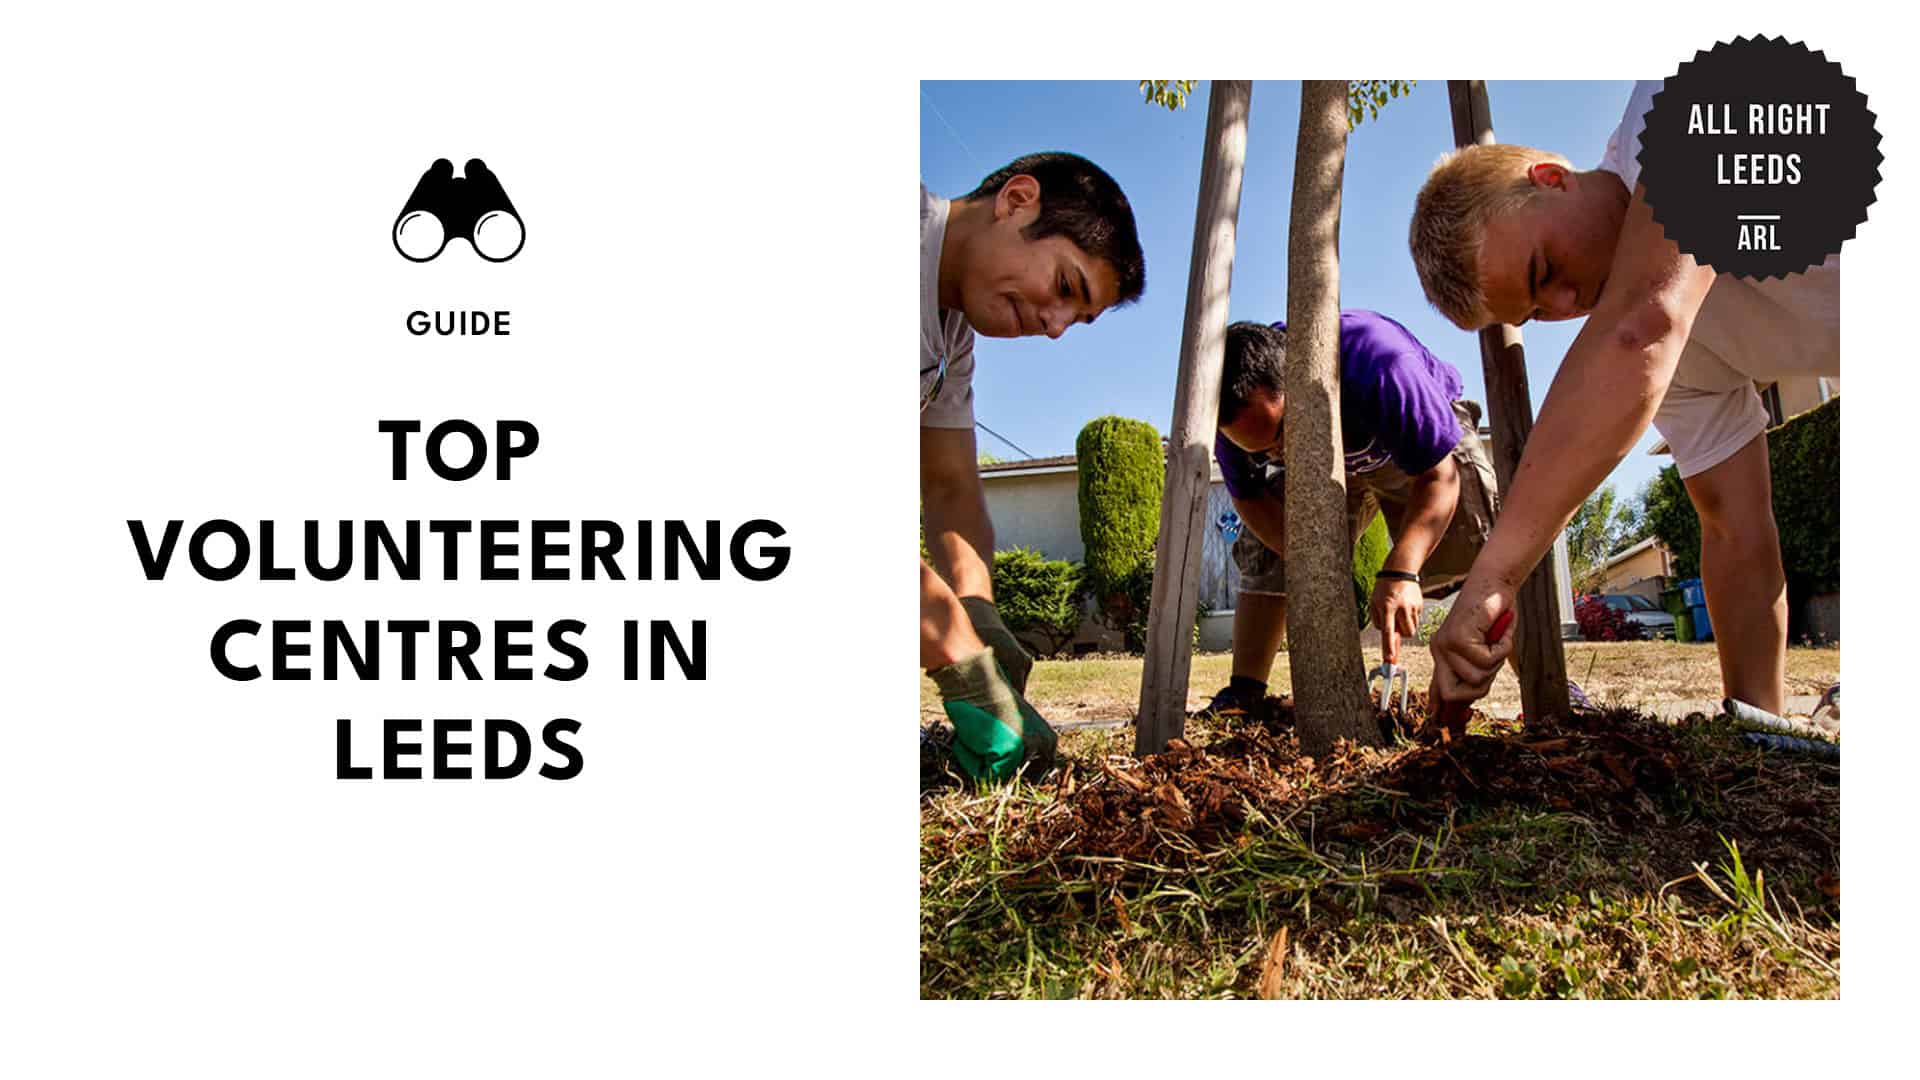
(1042,244)
(1503,234)
(1413,454)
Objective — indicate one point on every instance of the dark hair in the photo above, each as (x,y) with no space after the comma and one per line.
(1254,355)
(1079,201)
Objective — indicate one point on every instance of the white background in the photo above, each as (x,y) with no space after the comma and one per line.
(204,319)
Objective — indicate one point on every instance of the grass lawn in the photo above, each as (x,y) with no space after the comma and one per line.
(1612,857)
(1642,673)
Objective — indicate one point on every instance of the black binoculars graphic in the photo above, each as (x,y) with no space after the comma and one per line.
(474,208)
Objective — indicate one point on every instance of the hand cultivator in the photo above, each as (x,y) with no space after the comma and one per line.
(1388,672)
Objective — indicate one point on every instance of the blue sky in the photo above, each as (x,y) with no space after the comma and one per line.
(1039,393)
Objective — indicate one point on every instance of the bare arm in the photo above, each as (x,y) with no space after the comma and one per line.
(1430,504)
(1395,605)
(959,533)
(1604,395)
(1601,400)
(1266,518)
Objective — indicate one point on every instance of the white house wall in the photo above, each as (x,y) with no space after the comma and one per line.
(1797,395)
(1041,512)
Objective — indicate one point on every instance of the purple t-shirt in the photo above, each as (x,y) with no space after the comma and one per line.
(1396,404)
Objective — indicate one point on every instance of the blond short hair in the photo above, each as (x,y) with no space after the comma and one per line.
(1466,189)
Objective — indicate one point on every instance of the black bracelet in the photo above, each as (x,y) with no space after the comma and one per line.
(1397,575)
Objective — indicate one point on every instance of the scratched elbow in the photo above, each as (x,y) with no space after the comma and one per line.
(1655,321)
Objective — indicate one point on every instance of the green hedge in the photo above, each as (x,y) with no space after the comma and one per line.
(1805,456)
(1806,495)
(1122,474)
(1037,596)
(1369,555)
(1671,517)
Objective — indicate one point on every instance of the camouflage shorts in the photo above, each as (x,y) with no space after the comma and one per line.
(1385,491)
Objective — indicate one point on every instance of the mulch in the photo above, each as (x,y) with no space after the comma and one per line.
(1618,767)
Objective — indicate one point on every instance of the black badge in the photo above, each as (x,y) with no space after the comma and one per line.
(474,208)
(1759,157)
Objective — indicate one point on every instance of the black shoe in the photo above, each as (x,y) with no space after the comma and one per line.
(1234,704)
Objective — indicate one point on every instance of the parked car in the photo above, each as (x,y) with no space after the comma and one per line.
(1642,612)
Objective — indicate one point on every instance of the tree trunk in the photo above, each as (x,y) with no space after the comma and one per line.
(1176,574)
(1329,686)
(1543,658)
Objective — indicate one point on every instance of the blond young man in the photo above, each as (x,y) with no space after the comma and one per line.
(1504,234)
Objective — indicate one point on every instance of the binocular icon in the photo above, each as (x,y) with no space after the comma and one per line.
(474,208)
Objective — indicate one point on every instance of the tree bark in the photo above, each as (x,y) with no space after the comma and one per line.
(1542,656)
(1176,575)
(1329,687)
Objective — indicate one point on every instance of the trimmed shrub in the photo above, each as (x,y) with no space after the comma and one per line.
(1038,597)
(1598,622)
(1369,555)
(1136,594)
(1671,516)
(1127,606)
(1122,474)
(1805,452)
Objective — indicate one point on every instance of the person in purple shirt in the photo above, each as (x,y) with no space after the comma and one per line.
(1413,454)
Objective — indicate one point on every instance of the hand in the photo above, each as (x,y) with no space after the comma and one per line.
(1395,609)
(994,633)
(995,731)
(1463,663)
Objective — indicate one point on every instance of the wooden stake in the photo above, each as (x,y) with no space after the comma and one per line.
(1543,658)
(1176,575)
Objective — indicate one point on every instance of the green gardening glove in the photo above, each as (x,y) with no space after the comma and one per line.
(994,729)
(995,635)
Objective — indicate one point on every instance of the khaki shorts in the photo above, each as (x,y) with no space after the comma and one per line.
(1385,491)
(1747,332)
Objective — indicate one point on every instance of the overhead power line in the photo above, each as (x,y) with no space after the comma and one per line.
(1003,439)
(950,127)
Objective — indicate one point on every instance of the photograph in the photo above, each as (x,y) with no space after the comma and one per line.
(1363,556)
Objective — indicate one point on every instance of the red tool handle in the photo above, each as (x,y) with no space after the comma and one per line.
(1452,715)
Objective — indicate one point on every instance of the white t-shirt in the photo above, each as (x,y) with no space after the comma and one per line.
(1623,146)
(1745,332)
(946,341)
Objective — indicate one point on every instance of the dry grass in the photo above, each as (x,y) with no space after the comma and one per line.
(1626,859)
(1622,858)
(1642,674)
